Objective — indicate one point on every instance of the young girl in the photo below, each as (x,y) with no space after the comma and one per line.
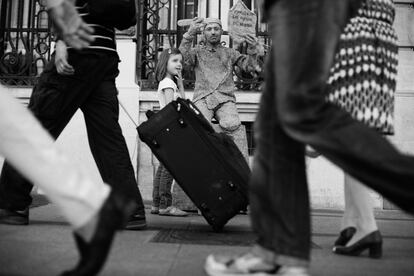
(168,74)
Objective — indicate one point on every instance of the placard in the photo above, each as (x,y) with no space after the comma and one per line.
(241,21)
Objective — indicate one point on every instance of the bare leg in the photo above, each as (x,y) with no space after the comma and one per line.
(362,213)
(348,219)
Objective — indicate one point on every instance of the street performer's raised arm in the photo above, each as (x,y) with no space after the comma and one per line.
(247,63)
(186,46)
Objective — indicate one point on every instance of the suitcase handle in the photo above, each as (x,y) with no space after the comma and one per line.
(178,105)
(149,113)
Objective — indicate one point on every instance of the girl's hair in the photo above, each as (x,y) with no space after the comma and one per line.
(161,69)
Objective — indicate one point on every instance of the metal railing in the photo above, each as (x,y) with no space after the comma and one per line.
(157,30)
(25,41)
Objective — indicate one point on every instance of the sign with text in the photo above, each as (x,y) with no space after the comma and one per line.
(241,21)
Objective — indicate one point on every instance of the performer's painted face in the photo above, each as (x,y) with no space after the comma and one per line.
(175,64)
(213,32)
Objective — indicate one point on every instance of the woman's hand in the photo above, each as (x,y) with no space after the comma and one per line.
(61,59)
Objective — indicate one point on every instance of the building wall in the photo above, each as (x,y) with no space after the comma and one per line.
(73,140)
(325,180)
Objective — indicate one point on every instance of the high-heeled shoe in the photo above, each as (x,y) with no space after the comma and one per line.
(112,217)
(345,236)
(372,242)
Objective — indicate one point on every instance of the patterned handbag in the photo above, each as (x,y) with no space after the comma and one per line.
(362,80)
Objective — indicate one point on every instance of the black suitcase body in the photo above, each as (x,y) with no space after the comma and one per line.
(207,165)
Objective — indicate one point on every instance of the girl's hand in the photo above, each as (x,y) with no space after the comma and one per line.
(179,77)
(180,84)
(61,59)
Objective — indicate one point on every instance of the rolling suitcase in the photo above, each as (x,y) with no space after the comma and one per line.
(207,165)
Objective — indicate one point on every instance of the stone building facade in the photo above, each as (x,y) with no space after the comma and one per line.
(26,44)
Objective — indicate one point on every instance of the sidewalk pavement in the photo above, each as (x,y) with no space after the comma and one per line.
(178,246)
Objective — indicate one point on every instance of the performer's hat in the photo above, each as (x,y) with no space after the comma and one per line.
(211,20)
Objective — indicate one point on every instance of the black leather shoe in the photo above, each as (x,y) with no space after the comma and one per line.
(372,241)
(345,236)
(136,222)
(14,217)
(112,217)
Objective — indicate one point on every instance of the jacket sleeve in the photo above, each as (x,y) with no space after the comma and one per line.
(247,63)
(188,52)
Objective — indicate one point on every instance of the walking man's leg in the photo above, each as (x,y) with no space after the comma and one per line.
(308,33)
(108,146)
(93,212)
(32,151)
(278,193)
(278,188)
(54,100)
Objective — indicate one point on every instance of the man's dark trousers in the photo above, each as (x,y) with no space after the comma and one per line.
(294,113)
(54,101)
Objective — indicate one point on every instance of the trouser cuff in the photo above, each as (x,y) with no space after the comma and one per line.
(280,259)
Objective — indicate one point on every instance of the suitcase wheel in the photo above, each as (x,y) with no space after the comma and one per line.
(217,228)
(181,122)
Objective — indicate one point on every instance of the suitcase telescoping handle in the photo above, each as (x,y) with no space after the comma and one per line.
(179,103)
(187,102)
(149,113)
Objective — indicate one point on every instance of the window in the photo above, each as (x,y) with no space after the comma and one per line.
(157,30)
(25,40)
